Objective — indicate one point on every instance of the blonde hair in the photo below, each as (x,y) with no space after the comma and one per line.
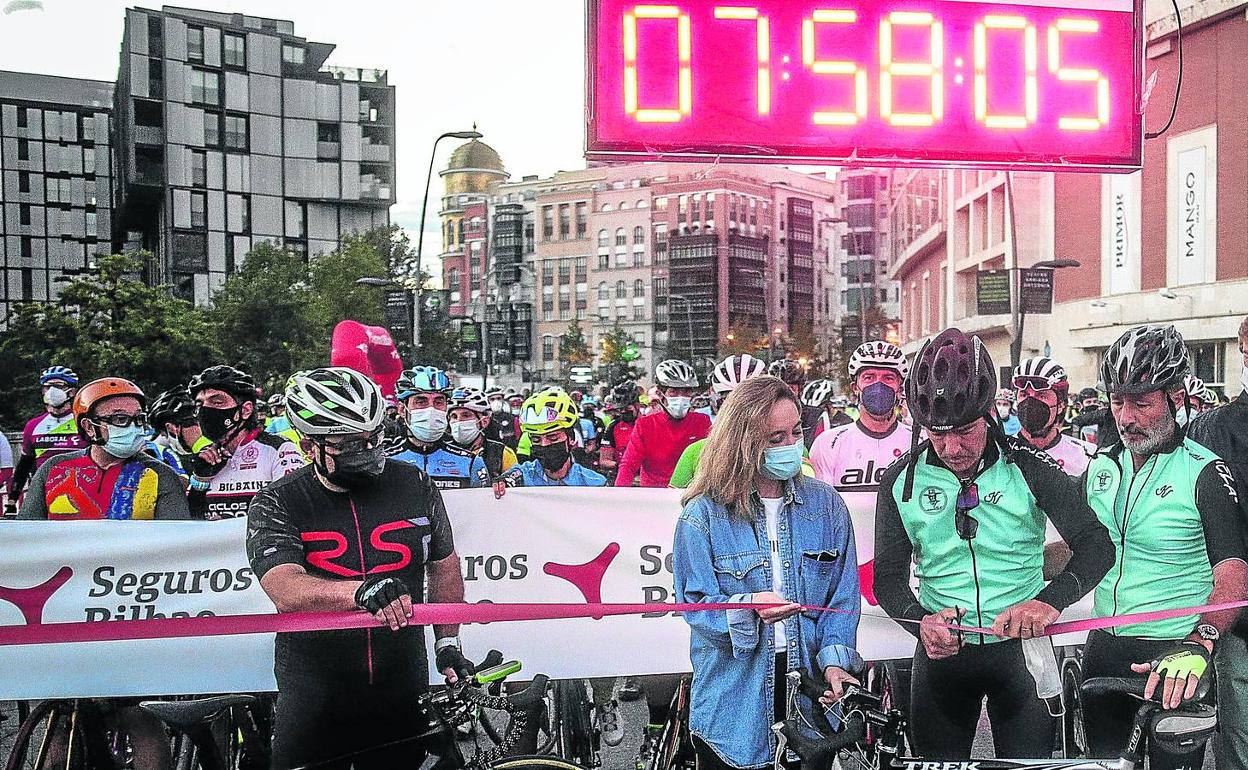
(734,450)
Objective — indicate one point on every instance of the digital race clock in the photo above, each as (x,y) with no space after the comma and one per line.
(1050,85)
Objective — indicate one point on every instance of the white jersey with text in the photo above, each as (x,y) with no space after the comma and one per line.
(251,468)
(852,460)
(1071,454)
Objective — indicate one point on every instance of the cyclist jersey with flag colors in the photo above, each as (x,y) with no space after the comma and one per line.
(46,436)
(72,486)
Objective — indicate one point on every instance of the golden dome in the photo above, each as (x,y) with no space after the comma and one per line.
(475,155)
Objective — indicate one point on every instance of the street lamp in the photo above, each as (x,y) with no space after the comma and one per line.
(424,206)
(688,319)
(1016,345)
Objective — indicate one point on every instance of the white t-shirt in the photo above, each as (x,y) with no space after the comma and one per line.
(1072,454)
(853,462)
(771,506)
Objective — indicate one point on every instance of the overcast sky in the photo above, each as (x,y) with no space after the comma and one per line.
(516,69)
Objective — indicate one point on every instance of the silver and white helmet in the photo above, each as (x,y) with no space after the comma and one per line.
(334,401)
(733,371)
(818,393)
(675,374)
(878,354)
(1039,367)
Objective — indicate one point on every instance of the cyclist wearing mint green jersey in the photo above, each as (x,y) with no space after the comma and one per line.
(968,506)
(1173,514)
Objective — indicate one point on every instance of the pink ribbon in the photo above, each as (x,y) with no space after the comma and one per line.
(452,614)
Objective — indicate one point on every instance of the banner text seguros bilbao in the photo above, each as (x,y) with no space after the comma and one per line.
(145,590)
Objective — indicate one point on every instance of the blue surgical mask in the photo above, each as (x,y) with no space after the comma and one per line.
(878,399)
(706,410)
(125,442)
(781,463)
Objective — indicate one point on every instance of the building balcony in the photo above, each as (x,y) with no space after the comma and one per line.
(154,135)
(328,150)
(363,75)
(375,153)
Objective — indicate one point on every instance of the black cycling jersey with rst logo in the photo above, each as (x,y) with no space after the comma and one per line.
(393,526)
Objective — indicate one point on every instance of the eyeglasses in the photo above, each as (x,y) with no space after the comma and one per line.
(122,420)
(964,523)
(1035,383)
(350,446)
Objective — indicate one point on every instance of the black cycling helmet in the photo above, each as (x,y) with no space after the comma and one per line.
(788,370)
(952,383)
(1145,359)
(1087,393)
(626,393)
(174,405)
(222,377)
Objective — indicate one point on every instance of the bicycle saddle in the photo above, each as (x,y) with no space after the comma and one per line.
(184,714)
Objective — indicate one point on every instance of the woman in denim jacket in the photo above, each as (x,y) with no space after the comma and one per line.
(755,530)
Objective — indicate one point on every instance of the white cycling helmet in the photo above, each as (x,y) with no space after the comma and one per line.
(878,354)
(334,401)
(1196,388)
(472,399)
(733,371)
(1038,367)
(818,393)
(675,374)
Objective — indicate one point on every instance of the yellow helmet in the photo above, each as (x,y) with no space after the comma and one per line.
(547,411)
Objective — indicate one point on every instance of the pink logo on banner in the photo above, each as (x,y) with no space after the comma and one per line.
(586,577)
(31,601)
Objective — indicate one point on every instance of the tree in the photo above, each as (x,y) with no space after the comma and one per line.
(337,296)
(619,350)
(573,349)
(740,339)
(267,317)
(107,322)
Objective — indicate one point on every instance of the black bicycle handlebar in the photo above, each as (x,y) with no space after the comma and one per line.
(1133,686)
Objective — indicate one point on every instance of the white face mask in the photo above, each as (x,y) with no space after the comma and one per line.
(55,397)
(1003,412)
(678,406)
(464,432)
(496,405)
(427,424)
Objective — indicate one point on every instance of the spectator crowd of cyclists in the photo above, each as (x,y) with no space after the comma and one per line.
(977,504)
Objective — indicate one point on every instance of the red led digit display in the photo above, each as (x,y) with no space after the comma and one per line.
(1042,85)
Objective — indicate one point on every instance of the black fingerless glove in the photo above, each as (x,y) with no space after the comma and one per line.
(453,658)
(376,593)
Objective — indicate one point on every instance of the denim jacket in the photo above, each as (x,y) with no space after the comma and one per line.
(719,557)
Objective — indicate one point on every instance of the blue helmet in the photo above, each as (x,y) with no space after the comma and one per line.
(62,373)
(422,379)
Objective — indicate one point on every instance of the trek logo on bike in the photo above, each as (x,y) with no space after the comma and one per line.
(915,764)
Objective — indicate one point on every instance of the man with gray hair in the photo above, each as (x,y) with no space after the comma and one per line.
(1224,431)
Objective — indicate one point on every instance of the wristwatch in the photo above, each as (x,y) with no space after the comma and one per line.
(446,641)
(1207,632)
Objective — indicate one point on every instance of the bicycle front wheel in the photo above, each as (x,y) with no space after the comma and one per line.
(534,762)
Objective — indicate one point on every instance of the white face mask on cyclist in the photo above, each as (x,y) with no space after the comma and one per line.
(677,406)
(464,432)
(427,424)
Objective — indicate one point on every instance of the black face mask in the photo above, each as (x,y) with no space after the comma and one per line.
(552,457)
(220,424)
(355,469)
(1034,415)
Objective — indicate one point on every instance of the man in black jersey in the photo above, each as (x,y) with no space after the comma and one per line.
(353,530)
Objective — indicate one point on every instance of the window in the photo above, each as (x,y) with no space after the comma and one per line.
(236,132)
(238,209)
(582,269)
(565,221)
(604,239)
(92,224)
(582,219)
(548,347)
(621,290)
(23,117)
(88,161)
(548,222)
(24,214)
(234,50)
(604,292)
(199,168)
(639,235)
(195,43)
(205,87)
(639,312)
(639,288)
(641,204)
(28,283)
(27,247)
(604,262)
(212,129)
(565,270)
(199,210)
(548,272)
(293,54)
(23,181)
(23,149)
(621,238)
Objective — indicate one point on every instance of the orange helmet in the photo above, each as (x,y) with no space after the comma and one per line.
(96,391)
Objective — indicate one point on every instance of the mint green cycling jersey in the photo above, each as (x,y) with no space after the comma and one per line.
(1170,522)
(1003,564)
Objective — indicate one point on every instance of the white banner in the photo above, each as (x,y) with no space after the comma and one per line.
(1120,233)
(1192,201)
(508,550)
